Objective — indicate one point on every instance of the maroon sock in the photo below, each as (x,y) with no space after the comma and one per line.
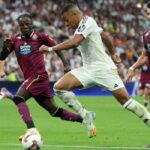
(70,116)
(25,114)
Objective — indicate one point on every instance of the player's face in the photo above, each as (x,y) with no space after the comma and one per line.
(148,14)
(71,20)
(26,26)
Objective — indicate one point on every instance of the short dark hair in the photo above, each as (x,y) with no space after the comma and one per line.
(68,7)
(24,15)
(148,5)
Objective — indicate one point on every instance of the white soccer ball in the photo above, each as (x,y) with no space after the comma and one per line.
(32,141)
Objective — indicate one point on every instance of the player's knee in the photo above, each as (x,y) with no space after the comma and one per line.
(58,86)
(17,100)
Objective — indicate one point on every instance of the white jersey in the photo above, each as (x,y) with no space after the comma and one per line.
(92,49)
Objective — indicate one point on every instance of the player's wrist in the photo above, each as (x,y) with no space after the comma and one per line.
(50,49)
(131,68)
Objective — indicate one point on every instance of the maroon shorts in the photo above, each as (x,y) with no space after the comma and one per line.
(38,86)
(142,85)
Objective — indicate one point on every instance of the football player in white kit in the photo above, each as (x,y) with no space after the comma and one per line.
(98,68)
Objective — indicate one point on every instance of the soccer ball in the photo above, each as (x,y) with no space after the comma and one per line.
(32,141)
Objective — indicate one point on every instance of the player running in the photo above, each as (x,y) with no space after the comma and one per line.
(98,68)
(26,47)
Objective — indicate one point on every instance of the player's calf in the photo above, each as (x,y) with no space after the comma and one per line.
(70,99)
(139,110)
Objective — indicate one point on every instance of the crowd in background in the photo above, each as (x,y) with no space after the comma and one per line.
(123,20)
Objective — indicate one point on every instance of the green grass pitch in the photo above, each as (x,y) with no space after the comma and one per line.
(117,128)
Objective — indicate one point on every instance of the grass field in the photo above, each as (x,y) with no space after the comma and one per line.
(117,128)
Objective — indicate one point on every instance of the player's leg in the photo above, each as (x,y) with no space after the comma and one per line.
(145,96)
(20,100)
(55,111)
(129,103)
(113,83)
(63,89)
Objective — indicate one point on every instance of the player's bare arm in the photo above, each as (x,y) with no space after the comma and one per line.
(141,60)
(72,42)
(64,61)
(108,43)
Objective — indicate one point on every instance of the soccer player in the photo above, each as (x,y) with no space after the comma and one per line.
(144,83)
(31,61)
(98,68)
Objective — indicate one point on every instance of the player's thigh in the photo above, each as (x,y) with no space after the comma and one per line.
(112,82)
(77,78)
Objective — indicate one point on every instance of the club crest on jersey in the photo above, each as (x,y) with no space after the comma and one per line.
(81,28)
(25,49)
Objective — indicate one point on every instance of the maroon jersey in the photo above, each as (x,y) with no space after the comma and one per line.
(146,40)
(145,73)
(30,60)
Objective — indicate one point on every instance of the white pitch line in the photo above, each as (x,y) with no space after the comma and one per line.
(83,147)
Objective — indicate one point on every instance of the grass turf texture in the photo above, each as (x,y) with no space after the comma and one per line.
(116,128)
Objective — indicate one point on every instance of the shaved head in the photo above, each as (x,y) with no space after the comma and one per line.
(69,7)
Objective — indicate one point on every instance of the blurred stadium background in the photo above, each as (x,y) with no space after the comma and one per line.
(124,21)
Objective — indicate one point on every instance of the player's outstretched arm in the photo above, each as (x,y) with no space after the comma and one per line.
(141,60)
(71,43)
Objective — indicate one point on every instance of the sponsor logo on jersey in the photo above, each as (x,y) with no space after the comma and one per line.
(25,49)
(81,28)
(116,85)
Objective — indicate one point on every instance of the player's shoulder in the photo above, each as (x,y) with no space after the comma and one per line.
(41,34)
(16,36)
(87,20)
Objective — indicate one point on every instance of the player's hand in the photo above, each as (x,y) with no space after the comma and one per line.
(44,48)
(7,44)
(116,58)
(130,75)
(2,74)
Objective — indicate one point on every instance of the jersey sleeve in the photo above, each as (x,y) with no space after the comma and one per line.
(86,27)
(46,40)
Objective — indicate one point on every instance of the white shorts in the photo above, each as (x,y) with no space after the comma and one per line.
(109,80)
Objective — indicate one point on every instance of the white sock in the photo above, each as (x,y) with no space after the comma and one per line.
(138,109)
(71,100)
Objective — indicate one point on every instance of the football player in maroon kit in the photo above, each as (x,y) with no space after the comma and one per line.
(144,83)
(31,61)
(146,50)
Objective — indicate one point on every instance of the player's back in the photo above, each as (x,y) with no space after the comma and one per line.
(31,61)
(92,49)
